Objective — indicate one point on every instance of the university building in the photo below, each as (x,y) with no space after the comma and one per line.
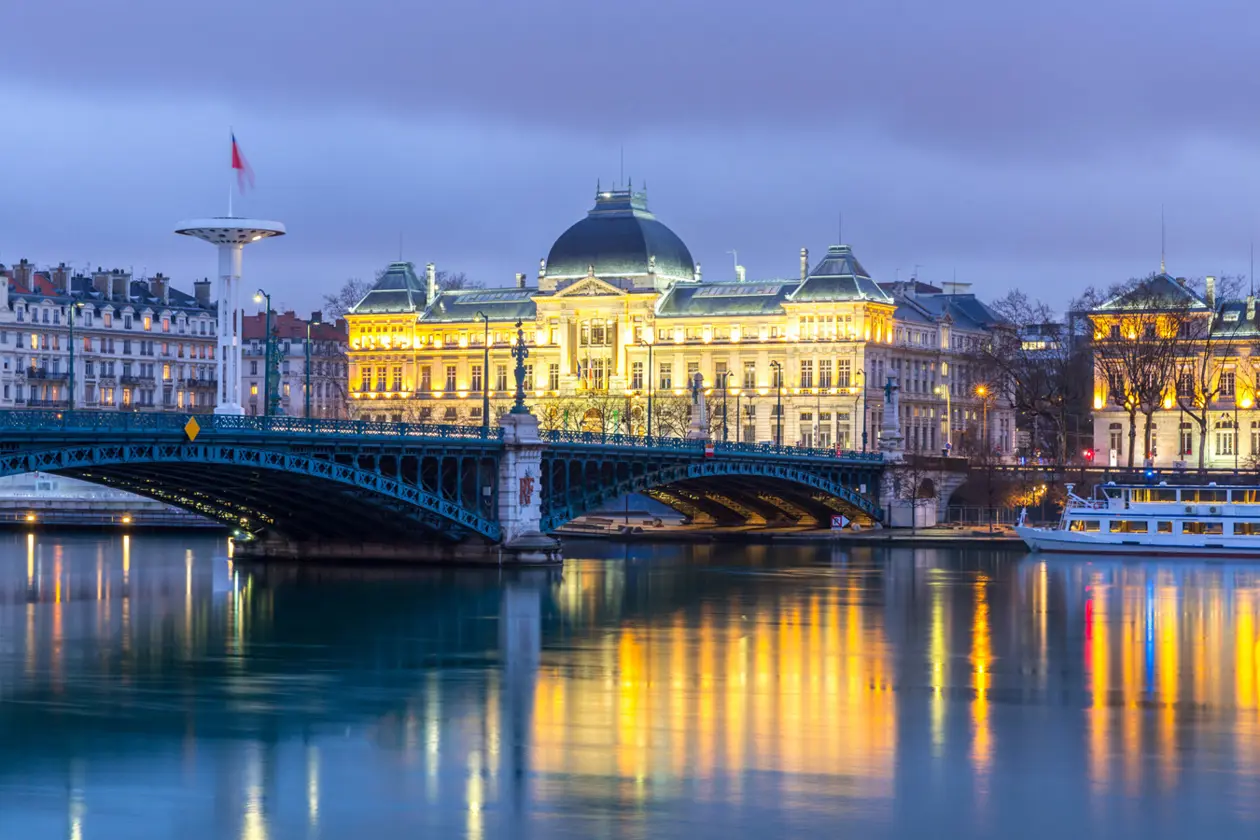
(619,316)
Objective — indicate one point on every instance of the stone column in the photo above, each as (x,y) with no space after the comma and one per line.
(520,494)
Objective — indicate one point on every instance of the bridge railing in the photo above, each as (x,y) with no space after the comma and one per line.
(137,421)
(686,444)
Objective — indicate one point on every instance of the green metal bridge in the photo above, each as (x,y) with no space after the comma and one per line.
(397,482)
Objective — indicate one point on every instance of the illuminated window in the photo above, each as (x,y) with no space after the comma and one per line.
(553,377)
(666,375)
(1084,525)
(253,390)
(1129,526)
(807,373)
(636,375)
(148,322)
(1204,528)
(166,325)
(426,378)
(450,377)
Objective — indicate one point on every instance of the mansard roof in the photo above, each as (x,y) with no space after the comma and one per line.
(398,290)
(839,276)
(511,304)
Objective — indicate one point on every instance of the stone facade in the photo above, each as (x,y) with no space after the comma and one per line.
(289,336)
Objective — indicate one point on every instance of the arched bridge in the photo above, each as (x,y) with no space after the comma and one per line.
(400,483)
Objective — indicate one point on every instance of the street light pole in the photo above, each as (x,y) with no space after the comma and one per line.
(982,392)
(649,386)
(778,381)
(309,324)
(73,306)
(485,375)
(259,297)
(862,395)
(726,378)
(949,416)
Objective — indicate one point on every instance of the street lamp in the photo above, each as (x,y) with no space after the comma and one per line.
(485,375)
(726,377)
(74,306)
(943,390)
(983,393)
(778,382)
(259,297)
(314,320)
(649,344)
(861,376)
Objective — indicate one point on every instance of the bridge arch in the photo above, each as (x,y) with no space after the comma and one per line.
(763,485)
(256,489)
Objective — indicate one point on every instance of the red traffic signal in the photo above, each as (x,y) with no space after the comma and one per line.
(1089,454)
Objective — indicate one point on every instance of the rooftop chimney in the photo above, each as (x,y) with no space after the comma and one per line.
(160,287)
(1210,282)
(804,264)
(120,283)
(61,279)
(430,275)
(697,272)
(100,282)
(1251,308)
(201,291)
(520,280)
(22,274)
(740,273)
(317,317)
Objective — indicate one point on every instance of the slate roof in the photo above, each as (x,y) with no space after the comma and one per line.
(619,237)
(839,276)
(1162,289)
(764,297)
(497,304)
(398,290)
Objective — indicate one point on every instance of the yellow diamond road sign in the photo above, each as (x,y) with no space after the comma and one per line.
(192,428)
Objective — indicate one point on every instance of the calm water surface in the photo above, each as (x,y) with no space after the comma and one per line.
(146,691)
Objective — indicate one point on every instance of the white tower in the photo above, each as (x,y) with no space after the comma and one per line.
(231,235)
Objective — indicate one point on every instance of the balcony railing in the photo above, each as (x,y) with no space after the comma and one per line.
(46,374)
(34,403)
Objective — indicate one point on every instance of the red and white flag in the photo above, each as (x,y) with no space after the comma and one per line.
(244,172)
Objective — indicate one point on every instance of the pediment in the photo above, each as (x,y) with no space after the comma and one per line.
(591,287)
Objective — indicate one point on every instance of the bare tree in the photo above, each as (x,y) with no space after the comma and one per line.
(1199,380)
(452,281)
(914,482)
(336,304)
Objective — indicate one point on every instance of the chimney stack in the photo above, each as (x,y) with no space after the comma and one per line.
(201,291)
(697,272)
(121,285)
(160,287)
(22,274)
(520,280)
(1211,292)
(317,317)
(61,279)
(100,282)
(804,264)
(740,273)
(430,275)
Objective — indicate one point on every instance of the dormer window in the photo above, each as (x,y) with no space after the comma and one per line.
(126,322)
(1231,317)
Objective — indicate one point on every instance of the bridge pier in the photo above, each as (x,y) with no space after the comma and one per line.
(520,494)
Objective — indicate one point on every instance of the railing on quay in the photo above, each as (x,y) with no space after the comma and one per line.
(719,447)
(153,421)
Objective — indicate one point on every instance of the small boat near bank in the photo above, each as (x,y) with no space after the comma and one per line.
(1155,521)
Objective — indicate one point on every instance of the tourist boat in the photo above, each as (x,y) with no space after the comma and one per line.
(1154,520)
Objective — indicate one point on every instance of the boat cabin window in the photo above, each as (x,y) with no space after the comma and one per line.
(1084,525)
(1204,496)
(1202,528)
(1247,497)
(1153,494)
(1164,527)
(1112,492)
(1247,529)
(1129,526)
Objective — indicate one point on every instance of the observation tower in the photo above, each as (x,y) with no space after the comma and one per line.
(230,235)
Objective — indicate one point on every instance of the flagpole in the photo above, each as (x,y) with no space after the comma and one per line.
(232,139)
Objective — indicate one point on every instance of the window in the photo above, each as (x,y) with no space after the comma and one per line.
(1128,526)
(824,373)
(166,372)
(253,368)
(396,383)
(807,373)
(1116,435)
(666,375)
(148,322)
(166,325)
(1186,434)
(451,414)
(636,375)
(501,378)
(450,377)
(1204,528)
(253,390)
(1224,437)
(750,374)
(286,390)
(126,322)
(776,376)
(807,428)
(1084,525)
(1204,497)
(844,368)
(1246,529)
(1163,527)
(750,424)
(599,369)
(719,375)
(553,376)
(692,369)
(426,378)
(1153,494)
(1227,384)
(475,381)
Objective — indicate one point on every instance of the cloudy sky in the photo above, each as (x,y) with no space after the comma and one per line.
(1008,144)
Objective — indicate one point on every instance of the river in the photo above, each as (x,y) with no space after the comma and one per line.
(148,689)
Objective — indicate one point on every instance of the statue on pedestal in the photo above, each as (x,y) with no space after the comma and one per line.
(698,428)
(891,441)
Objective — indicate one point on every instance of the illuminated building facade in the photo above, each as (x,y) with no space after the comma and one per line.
(619,315)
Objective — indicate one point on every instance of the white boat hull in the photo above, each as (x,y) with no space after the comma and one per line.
(1143,545)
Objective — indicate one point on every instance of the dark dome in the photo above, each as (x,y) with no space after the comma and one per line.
(620,238)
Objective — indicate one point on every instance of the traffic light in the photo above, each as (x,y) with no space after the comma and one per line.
(1089,455)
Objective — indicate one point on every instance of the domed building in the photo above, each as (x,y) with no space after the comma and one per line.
(620,242)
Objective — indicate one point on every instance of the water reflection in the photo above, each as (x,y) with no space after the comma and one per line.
(697,691)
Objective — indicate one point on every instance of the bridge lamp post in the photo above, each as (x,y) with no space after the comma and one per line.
(860,376)
(726,379)
(778,402)
(982,392)
(259,297)
(485,374)
(943,390)
(649,386)
(309,324)
(74,307)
